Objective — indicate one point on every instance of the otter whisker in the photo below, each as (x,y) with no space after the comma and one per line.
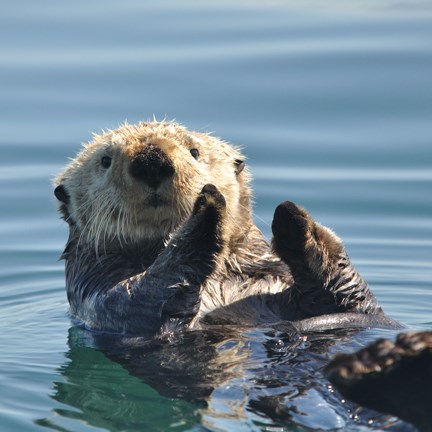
(83,231)
(119,226)
(100,223)
(113,218)
(263,221)
(123,226)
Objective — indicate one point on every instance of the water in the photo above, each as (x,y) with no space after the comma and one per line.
(332,103)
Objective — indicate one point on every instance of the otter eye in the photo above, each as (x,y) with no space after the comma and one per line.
(106,161)
(194,152)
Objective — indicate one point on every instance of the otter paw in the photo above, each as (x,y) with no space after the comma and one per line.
(292,226)
(209,197)
(311,250)
(392,377)
(326,280)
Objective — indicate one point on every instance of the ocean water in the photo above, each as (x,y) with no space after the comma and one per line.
(332,104)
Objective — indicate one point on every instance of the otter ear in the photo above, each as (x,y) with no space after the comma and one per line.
(239,166)
(61,194)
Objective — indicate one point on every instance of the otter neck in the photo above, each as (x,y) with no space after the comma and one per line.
(144,251)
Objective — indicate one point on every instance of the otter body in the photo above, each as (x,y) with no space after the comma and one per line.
(162,238)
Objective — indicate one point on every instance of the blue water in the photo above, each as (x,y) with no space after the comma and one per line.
(332,103)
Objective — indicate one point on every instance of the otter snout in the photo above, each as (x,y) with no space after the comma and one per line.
(151,166)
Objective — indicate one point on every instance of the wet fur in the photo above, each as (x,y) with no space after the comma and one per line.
(145,260)
(393,377)
(141,260)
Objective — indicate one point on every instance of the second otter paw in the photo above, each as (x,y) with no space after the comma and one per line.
(292,226)
(311,250)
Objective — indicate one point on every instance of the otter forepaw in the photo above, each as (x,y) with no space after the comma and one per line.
(312,251)
(309,249)
(326,281)
(392,377)
(209,197)
(292,227)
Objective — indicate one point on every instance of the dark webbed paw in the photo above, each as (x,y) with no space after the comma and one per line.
(291,228)
(311,251)
(209,197)
(166,297)
(325,279)
(201,239)
(391,377)
(198,242)
(207,219)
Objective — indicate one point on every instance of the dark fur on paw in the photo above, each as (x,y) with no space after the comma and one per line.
(291,228)
(308,248)
(209,196)
(325,279)
(393,377)
(208,216)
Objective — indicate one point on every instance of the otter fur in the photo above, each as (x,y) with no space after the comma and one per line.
(392,377)
(161,239)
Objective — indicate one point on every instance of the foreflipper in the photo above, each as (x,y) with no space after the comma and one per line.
(325,279)
(166,296)
(395,378)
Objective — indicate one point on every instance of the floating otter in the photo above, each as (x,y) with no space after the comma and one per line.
(162,239)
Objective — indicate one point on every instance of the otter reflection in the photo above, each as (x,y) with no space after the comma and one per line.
(224,375)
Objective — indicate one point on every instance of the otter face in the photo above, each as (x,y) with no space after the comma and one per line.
(140,182)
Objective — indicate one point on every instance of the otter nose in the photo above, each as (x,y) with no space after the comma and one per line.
(151,166)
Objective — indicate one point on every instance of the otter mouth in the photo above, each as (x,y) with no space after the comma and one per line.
(155,200)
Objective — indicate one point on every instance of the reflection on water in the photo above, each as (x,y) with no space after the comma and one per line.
(99,392)
(223,376)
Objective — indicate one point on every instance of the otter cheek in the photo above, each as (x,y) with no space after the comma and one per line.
(61,194)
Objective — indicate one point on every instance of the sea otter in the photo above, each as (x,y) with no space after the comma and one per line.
(161,239)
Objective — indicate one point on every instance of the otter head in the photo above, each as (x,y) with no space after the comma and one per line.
(140,182)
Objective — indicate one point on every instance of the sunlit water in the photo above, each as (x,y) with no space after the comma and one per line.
(332,105)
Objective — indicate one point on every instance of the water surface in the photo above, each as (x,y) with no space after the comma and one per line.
(332,103)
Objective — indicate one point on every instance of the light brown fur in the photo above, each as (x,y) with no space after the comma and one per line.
(110,206)
(137,249)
